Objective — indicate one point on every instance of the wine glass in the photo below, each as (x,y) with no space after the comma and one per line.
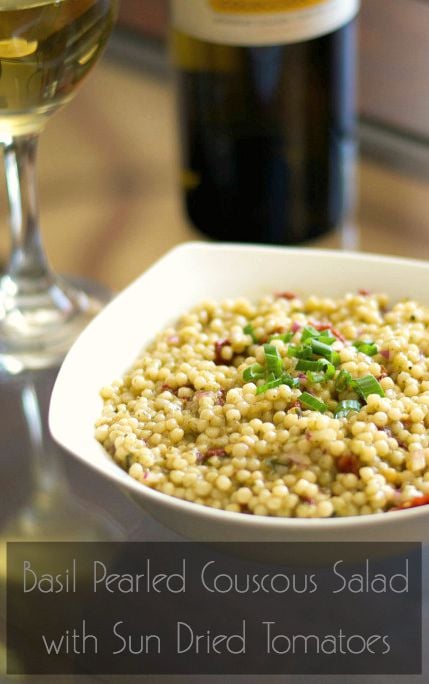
(46,49)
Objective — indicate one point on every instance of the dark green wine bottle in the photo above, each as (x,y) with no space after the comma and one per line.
(266,95)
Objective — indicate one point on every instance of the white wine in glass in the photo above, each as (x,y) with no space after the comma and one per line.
(46,49)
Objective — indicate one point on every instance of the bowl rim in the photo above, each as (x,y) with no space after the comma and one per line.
(115,473)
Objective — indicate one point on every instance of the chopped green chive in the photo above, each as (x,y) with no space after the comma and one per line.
(314,378)
(326,338)
(255,372)
(299,351)
(309,332)
(322,349)
(317,366)
(343,381)
(285,337)
(249,330)
(273,360)
(307,365)
(368,348)
(268,385)
(345,407)
(329,371)
(289,380)
(308,401)
(285,379)
(368,385)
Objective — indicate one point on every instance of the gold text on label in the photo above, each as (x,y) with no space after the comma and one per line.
(261,6)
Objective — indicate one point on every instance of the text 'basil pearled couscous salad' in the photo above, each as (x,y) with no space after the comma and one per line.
(311,407)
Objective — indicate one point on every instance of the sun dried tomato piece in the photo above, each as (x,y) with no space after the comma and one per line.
(212,451)
(219,360)
(413,503)
(322,326)
(348,463)
(329,326)
(220,397)
(296,407)
(167,388)
(383,374)
(286,295)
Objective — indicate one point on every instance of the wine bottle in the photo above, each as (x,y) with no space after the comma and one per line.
(266,102)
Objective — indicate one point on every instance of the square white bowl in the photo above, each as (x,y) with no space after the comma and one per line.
(187,274)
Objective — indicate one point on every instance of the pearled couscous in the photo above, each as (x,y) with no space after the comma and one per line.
(294,407)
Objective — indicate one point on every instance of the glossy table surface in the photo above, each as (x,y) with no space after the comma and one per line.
(110,206)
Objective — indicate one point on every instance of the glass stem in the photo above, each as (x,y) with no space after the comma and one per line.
(28,271)
(38,311)
(46,472)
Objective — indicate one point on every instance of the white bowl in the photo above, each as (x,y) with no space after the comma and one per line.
(180,279)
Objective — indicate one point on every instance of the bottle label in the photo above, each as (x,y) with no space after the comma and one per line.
(260,22)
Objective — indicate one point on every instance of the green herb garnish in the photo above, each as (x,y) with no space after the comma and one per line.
(307,365)
(284,337)
(326,338)
(255,372)
(309,333)
(285,379)
(343,381)
(316,367)
(366,347)
(347,406)
(249,330)
(315,378)
(308,401)
(315,356)
(368,385)
(322,349)
(273,360)
(300,351)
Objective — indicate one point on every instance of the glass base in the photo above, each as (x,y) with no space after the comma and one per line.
(61,516)
(50,517)
(42,500)
(36,331)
